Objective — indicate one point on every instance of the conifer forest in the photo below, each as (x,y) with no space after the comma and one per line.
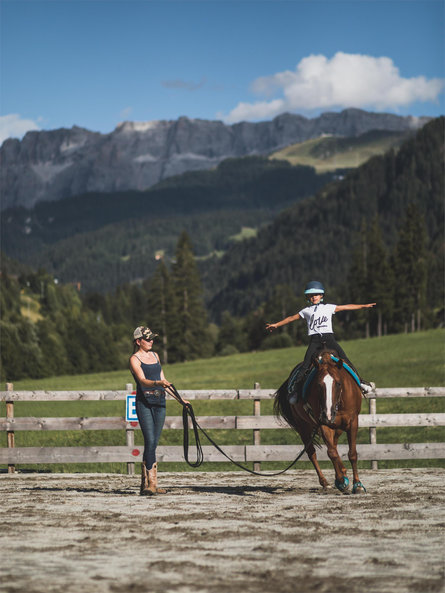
(370,234)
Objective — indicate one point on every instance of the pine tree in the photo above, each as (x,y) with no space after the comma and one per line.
(379,280)
(52,345)
(9,298)
(411,270)
(11,355)
(357,282)
(231,335)
(254,324)
(162,312)
(282,304)
(194,339)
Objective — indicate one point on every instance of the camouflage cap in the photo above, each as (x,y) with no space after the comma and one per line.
(143,332)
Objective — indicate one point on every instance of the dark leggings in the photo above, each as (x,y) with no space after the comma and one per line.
(319,342)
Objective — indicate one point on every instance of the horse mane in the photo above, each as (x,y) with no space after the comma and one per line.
(326,354)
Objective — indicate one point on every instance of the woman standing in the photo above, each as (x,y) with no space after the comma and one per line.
(151,385)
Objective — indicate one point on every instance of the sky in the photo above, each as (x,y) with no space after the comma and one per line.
(96,63)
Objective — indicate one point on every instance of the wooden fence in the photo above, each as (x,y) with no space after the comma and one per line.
(255,453)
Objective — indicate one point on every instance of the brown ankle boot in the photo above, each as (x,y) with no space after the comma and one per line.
(147,489)
(153,479)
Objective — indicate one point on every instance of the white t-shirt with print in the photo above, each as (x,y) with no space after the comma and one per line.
(318,318)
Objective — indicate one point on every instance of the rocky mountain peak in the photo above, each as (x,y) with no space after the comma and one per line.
(56,164)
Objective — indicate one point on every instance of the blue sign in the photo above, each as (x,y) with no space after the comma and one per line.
(130,408)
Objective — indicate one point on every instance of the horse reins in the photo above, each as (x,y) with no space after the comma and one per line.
(187,412)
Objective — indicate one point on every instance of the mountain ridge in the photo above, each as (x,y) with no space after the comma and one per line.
(57,164)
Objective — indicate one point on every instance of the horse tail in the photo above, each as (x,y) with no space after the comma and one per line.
(282,407)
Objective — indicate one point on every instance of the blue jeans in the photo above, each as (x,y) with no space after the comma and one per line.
(151,420)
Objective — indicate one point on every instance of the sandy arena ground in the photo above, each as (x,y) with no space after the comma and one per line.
(222,532)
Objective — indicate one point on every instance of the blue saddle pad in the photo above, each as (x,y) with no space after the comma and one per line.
(307,383)
(348,368)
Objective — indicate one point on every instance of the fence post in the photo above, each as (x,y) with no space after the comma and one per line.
(10,433)
(256,431)
(373,429)
(130,437)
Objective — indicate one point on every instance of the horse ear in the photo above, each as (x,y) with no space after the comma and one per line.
(339,363)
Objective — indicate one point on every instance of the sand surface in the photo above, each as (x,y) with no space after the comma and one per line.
(221,532)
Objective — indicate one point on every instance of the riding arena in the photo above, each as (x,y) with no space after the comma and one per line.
(218,531)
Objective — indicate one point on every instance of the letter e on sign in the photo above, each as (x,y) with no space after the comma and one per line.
(130,409)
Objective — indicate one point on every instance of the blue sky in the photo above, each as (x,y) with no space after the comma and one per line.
(95,63)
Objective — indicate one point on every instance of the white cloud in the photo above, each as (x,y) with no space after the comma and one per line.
(13,126)
(346,80)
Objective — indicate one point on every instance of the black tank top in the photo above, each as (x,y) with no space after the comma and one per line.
(153,395)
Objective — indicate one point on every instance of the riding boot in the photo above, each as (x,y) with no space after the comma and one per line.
(299,384)
(147,488)
(295,395)
(153,479)
(366,386)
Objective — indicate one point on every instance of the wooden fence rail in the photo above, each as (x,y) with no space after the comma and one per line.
(256,453)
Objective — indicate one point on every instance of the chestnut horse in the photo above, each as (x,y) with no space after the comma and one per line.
(331,406)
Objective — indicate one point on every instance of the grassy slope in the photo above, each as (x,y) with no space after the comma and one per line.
(328,154)
(393,361)
(405,360)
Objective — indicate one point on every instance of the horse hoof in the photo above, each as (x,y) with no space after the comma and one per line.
(342,484)
(358,488)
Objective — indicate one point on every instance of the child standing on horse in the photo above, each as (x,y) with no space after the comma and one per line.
(318,317)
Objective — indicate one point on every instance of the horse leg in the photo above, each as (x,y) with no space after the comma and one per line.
(313,458)
(310,450)
(330,437)
(358,487)
(339,460)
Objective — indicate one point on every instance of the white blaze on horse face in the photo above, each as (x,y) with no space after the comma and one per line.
(329,382)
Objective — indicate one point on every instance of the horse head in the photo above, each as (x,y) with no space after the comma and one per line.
(329,386)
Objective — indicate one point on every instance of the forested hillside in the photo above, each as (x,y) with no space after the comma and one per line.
(322,236)
(377,236)
(104,240)
(50,329)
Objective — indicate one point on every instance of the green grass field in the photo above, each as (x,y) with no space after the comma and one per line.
(409,360)
(404,360)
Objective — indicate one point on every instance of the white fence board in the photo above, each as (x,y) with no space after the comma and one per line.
(42,396)
(387,420)
(27,455)
(107,423)
(207,422)
(365,452)
(240,453)
(193,394)
(257,453)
